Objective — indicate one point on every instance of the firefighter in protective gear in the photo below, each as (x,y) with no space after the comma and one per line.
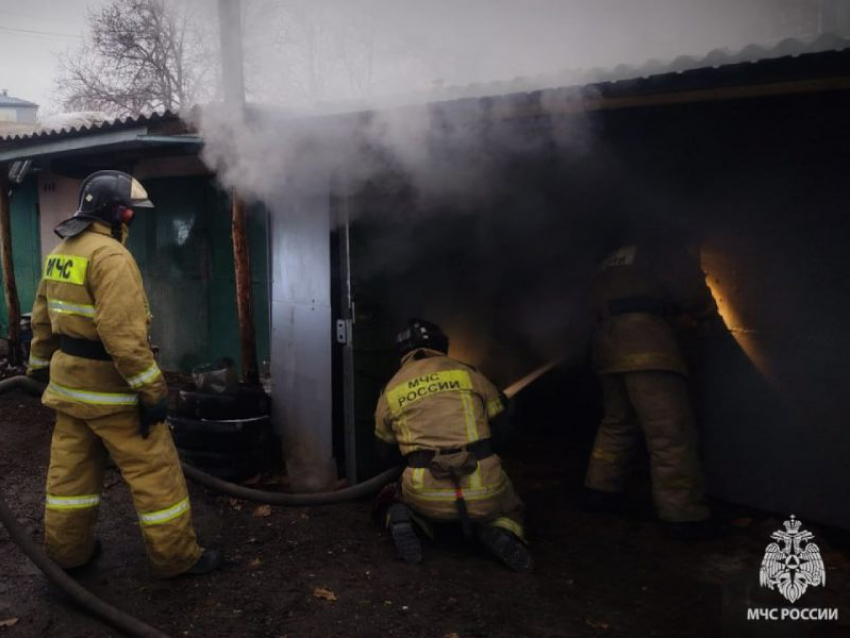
(641,290)
(90,340)
(437,411)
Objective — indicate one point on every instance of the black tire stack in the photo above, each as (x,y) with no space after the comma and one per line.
(227,435)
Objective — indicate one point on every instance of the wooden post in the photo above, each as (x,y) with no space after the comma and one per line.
(230,31)
(10,288)
(244,293)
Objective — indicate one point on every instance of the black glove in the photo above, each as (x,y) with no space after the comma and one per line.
(501,425)
(150,415)
(42,375)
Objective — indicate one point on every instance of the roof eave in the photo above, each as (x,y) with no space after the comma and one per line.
(137,137)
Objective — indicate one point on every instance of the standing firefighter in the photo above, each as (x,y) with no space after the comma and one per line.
(438,411)
(641,289)
(90,341)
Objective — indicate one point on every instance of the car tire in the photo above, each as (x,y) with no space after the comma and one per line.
(205,435)
(247,401)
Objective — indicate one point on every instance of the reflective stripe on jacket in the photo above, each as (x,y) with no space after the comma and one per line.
(666,276)
(435,402)
(92,289)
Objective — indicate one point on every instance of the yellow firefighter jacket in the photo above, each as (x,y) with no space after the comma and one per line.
(91,288)
(639,289)
(435,402)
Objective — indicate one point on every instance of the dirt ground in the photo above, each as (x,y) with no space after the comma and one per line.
(595,575)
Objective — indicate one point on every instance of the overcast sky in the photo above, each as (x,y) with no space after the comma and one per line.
(460,41)
(28,60)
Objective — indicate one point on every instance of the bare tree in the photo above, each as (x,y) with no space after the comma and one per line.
(139,56)
(306,53)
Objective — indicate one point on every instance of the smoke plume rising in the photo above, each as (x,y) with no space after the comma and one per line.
(491,226)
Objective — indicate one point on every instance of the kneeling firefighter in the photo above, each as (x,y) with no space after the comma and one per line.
(437,411)
(90,344)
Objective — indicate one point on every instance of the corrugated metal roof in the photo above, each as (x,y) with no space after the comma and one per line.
(106,126)
(684,73)
(7,129)
(823,71)
(8,100)
(575,77)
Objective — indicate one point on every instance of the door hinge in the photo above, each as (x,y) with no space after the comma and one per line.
(343,331)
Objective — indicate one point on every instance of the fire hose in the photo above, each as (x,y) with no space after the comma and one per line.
(25,384)
(127,623)
(104,610)
(31,386)
(292,500)
(76,592)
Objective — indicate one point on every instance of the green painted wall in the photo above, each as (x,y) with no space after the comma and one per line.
(26,248)
(223,318)
(185,252)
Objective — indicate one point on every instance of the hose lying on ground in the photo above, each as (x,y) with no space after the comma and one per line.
(127,623)
(31,386)
(25,384)
(107,612)
(75,591)
(283,498)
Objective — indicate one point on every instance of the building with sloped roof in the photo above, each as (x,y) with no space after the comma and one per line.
(183,247)
(16,110)
(747,149)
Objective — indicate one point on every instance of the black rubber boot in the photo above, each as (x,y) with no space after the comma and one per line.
(707,530)
(402,530)
(210,560)
(506,547)
(80,569)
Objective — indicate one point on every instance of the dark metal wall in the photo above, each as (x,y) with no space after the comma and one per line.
(761,181)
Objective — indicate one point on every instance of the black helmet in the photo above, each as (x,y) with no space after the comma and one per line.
(421,334)
(103,197)
(105,189)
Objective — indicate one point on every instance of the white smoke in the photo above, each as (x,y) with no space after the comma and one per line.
(311,57)
(349,89)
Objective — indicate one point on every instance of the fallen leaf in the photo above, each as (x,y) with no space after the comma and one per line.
(255,563)
(326,594)
(235,504)
(8,622)
(262,511)
(597,624)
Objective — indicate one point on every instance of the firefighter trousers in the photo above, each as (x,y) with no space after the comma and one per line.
(491,499)
(656,402)
(150,467)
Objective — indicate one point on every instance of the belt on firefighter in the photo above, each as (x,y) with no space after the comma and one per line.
(647,305)
(85,348)
(479,449)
